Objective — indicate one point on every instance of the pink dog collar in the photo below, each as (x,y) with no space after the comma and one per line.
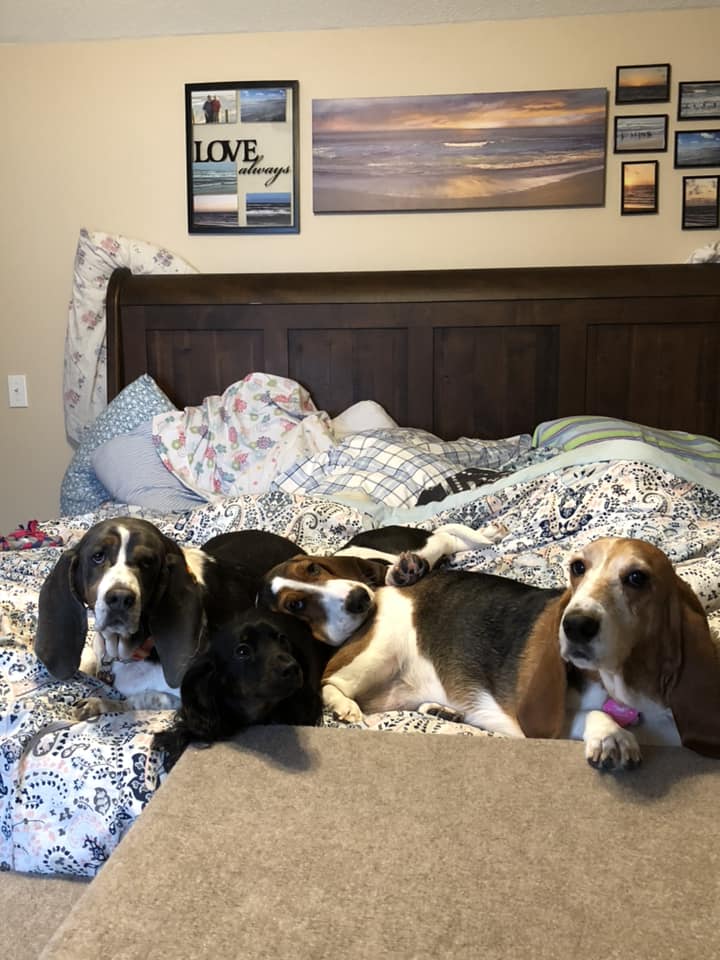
(622,715)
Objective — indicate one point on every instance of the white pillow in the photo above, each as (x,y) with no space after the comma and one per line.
(364,415)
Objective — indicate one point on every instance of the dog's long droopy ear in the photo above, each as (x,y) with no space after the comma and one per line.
(695,697)
(175,618)
(371,572)
(62,620)
(200,715)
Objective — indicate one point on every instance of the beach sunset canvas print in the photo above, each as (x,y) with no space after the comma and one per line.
(460,151)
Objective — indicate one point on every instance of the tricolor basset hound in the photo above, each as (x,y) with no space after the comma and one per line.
(497,651)
(482,645)
(634,625)
(153,603)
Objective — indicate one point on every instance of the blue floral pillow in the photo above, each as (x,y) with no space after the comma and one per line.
(81,491)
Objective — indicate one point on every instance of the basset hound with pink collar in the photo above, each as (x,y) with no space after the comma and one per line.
(497,651)
(636,627)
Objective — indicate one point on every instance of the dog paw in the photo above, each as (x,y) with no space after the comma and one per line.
(495,532)
(407,569)
(608,746)
(440,711)
(342,707)
(91,707)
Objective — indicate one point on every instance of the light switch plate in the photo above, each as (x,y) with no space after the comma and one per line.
(17,390)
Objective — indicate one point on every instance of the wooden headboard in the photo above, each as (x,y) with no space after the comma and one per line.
(483,353)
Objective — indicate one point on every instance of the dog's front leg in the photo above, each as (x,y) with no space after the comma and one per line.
(143,685)
(608,745)
(341,707)
(348,679)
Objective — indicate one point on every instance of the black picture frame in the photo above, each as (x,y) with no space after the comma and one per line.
(641,134)
(699,100)
(701,202)
(697,148)
(639,187)
(642,83)
(242,157)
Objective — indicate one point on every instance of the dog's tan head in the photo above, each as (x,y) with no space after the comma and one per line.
(335,596)
(630,617)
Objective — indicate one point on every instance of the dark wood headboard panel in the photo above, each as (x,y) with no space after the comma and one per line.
(484,353)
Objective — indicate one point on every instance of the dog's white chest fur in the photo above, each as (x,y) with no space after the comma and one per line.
(401,677)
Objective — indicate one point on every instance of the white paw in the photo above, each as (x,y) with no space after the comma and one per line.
(495,532)
(342,707)
(608,746)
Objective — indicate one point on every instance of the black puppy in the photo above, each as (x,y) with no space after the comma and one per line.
(259,667)
(241,558)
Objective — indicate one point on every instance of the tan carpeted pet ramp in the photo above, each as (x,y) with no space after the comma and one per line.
(351,845)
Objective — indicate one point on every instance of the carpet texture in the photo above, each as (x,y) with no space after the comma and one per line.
(321,843)
(32,910)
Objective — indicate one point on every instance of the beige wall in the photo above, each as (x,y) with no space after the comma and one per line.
(93,136)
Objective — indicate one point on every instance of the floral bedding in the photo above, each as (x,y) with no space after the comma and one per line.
(85,365)
(69,791)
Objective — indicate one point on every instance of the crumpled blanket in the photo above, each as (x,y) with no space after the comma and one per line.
(85,368)
(238,442)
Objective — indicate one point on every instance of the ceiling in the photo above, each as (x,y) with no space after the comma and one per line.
(39,21)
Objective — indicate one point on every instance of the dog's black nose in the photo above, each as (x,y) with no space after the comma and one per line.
(120,598)
(580,628)
(358,601)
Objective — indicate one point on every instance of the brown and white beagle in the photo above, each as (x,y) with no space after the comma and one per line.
(496,650)
(482,645)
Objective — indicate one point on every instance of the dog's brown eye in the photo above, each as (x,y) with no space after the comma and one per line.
(637,579)
(98,556)
(243,651)
(313,569)
(577,568)
(295,606)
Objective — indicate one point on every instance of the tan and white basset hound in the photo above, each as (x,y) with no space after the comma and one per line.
(640,629)
(497,651)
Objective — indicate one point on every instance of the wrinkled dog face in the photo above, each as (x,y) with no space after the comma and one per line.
(615,585)
(117,572)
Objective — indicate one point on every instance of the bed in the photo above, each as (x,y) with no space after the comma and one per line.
(486,389)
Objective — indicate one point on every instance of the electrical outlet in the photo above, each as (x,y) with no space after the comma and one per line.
(17,390)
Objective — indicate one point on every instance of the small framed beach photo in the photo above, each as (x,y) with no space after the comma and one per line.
(639,187)
(697,148)
(641,134)
(701,203)
(242,157)
(699,100)
(647,83)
